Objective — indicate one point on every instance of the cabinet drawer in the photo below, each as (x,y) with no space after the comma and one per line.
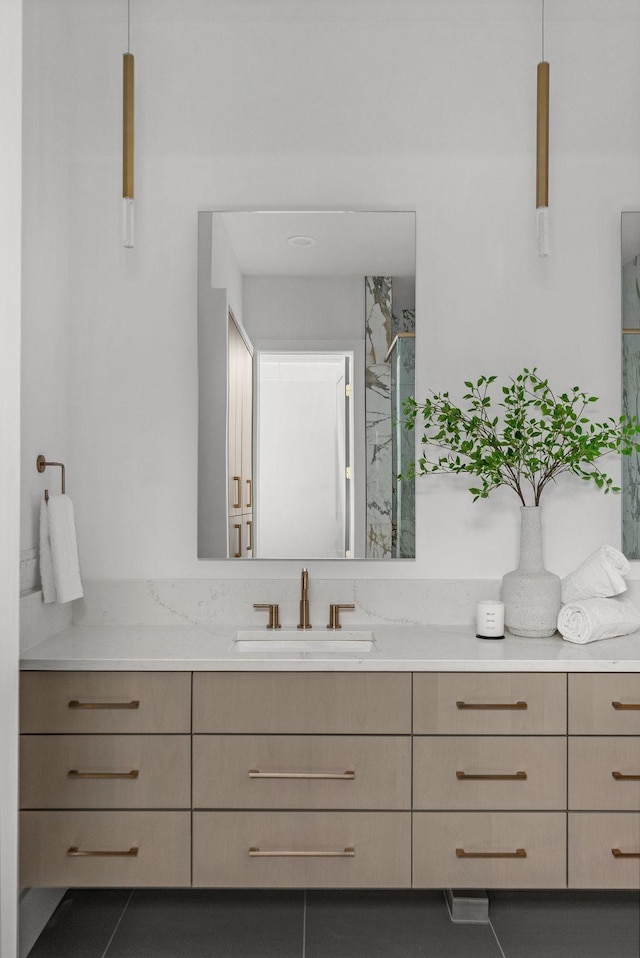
(302,849)
(301,771)
(593,838)
(441,840)
(449,772)
(142,848)
(105,771)
(105,702)
(482,703)
(604,704)
(304,702)
(604,773)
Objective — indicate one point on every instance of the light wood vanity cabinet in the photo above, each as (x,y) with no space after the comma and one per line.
(105,779)
(329,756)
(493,747)
(604,781)
(329,779)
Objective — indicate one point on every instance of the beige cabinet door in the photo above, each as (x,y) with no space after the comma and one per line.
(105,702)
(302,849)
(302,771)
(489,703)
(105,849)
(489,850)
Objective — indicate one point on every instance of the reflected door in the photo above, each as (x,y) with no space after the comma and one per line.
(304,503)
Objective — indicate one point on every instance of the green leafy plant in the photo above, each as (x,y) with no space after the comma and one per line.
(524,441)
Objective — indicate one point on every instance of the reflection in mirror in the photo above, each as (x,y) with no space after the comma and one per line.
(306,350)
(631,378)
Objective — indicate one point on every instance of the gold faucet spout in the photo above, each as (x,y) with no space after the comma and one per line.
(304,602)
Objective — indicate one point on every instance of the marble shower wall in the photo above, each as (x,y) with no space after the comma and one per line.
(378,337)
(631,405)
(390,505)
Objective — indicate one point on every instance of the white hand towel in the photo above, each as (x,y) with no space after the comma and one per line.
(59,565)
(588,620)
(599,575)
(46,569)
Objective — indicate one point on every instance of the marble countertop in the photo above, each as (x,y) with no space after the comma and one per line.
(396,649)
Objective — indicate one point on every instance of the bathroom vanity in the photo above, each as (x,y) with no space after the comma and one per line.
(165,756)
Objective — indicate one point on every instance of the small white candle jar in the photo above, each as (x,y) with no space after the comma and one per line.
(490,619)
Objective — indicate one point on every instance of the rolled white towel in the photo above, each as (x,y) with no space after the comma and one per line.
(587,620)
(59,565)
(599,575)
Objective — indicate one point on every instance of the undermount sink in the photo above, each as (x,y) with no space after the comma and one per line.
(292,640)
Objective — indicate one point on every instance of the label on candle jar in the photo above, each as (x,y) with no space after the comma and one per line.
(490,619)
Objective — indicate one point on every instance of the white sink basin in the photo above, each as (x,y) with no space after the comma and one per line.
(340,642)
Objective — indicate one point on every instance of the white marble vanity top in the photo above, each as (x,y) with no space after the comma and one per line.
(397,649)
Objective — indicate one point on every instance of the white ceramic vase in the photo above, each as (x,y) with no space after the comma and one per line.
(530,593)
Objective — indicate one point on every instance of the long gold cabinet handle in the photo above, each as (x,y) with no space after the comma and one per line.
(518,706)
(618,854)
(516,777)
(238,530)
(75,774)
(347,776)
(519,853)
(75,852)
(626,706)
(258,853)
(249,483)
(237,504)
(619,777)
(74,704)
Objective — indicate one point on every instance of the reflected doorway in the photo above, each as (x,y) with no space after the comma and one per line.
(304,443)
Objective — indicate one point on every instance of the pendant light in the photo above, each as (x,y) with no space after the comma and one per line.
(127,139)
(542,153)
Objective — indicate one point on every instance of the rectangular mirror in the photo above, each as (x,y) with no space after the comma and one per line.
(306,350)
(631,378)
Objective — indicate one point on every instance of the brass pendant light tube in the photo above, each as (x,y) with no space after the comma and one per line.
(128,82)
(542,160)
(542,145)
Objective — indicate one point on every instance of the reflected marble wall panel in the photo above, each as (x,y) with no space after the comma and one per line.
(631,464)
(378,336)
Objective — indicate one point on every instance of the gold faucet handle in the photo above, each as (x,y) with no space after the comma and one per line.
(334,614)
(274,613)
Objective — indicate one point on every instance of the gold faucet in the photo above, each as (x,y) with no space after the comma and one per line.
(304,602)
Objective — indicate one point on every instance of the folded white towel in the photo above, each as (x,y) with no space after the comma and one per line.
(587,620)
(599,575)
(59,565)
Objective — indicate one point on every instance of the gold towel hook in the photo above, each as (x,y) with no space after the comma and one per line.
(41,465)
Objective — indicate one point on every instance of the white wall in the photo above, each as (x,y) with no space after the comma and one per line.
(10,255)
(364,104)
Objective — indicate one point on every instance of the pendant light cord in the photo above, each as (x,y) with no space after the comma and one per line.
(129,25)
(543,31)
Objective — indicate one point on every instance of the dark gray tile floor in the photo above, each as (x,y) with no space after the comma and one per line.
(197,923)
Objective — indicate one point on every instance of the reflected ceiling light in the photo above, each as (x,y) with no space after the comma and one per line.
(542,153)
(127,139)
(301,241)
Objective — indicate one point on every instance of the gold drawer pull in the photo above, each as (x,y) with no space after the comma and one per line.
(516,777)
(74,704)
(74,773)
(74,852)
(487,705)
(626,707)
(619,777)
(347,776)
(519,853)
(618,854)
(257,853)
